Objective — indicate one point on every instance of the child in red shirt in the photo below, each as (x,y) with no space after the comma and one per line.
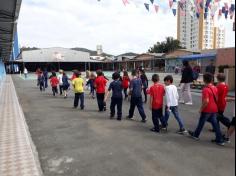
(157,92)
(54,82)
(125,83)
(100,86)
(223,90)
(208,110)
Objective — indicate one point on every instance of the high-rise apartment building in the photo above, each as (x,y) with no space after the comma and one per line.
(198,33)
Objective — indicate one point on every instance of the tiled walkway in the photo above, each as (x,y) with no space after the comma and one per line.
(17,152)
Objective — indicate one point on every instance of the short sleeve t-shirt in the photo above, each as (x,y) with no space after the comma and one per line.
(100,84)
(116,87)
(157,92)
(136,87)
(78,84)
(207,93)
(222,94)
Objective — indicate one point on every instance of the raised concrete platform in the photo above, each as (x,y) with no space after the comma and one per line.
(18,156)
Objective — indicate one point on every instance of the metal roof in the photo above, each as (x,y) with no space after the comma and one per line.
(198,56)
(9,13)
(56,54)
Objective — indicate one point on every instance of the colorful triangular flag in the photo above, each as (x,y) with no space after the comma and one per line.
(146,6)
(156,8)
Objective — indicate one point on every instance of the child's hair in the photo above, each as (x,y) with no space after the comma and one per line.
(208,78)
(169,78)
(185,63)
(77,74)
(64,74)
(155,78)
(54,74)
(221,77)
(115,76)
(125,73)
(134,73)
(99,73)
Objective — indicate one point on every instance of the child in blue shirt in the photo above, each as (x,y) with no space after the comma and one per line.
(117,97)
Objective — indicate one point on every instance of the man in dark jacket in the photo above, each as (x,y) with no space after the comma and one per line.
(186,80)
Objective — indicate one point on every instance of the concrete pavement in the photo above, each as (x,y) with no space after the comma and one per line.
(87,143)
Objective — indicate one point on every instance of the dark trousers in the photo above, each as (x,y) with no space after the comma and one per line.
(137,101)
(174,110)
(126,92)
(41,86)
(61,89)
(157,114)
(100,100)
(224,120)
(145,94)
(46,83)
(79,97)
(92,90)
(211,117)
(54,91)
(116,102)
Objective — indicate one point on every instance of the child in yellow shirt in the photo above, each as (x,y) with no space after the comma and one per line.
(78,84)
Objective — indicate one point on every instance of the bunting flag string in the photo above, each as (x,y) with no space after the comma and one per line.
(195,8)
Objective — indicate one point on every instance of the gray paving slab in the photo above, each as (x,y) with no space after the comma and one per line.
(87,143)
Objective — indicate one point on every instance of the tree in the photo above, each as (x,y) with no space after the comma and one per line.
(169,45)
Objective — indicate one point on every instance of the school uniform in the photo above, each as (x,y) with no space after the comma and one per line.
(157,92)
(136,98)
(117,98)
(209,113)
(100,84)
(78,84)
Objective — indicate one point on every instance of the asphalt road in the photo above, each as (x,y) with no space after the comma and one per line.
(87,143)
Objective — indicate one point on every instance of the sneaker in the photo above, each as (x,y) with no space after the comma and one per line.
(191,133)
(111,116)
(189,103)
(182,131)
(164,129)
(144,120)
(130,118)
(181,102)
(154,130)
(226,139)
(218,143)
(119,119)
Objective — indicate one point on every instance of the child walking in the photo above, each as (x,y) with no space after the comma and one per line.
(66,84)
(41,81)
(136,97)
(172,98)
(78,84)
(208,110)
(157,92)
(100,85)
(54,82)
(125,83)
(90,83)
(117,97)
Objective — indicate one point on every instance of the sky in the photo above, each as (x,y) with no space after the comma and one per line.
(88,23)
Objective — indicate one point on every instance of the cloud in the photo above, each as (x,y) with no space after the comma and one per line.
(87,23)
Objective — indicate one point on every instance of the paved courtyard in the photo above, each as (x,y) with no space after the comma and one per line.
(87,143)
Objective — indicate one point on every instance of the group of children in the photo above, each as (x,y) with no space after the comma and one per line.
(214,99)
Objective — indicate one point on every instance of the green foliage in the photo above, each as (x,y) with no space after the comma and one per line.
(167,46)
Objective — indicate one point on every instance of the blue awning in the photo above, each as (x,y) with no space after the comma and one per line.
(198,56)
